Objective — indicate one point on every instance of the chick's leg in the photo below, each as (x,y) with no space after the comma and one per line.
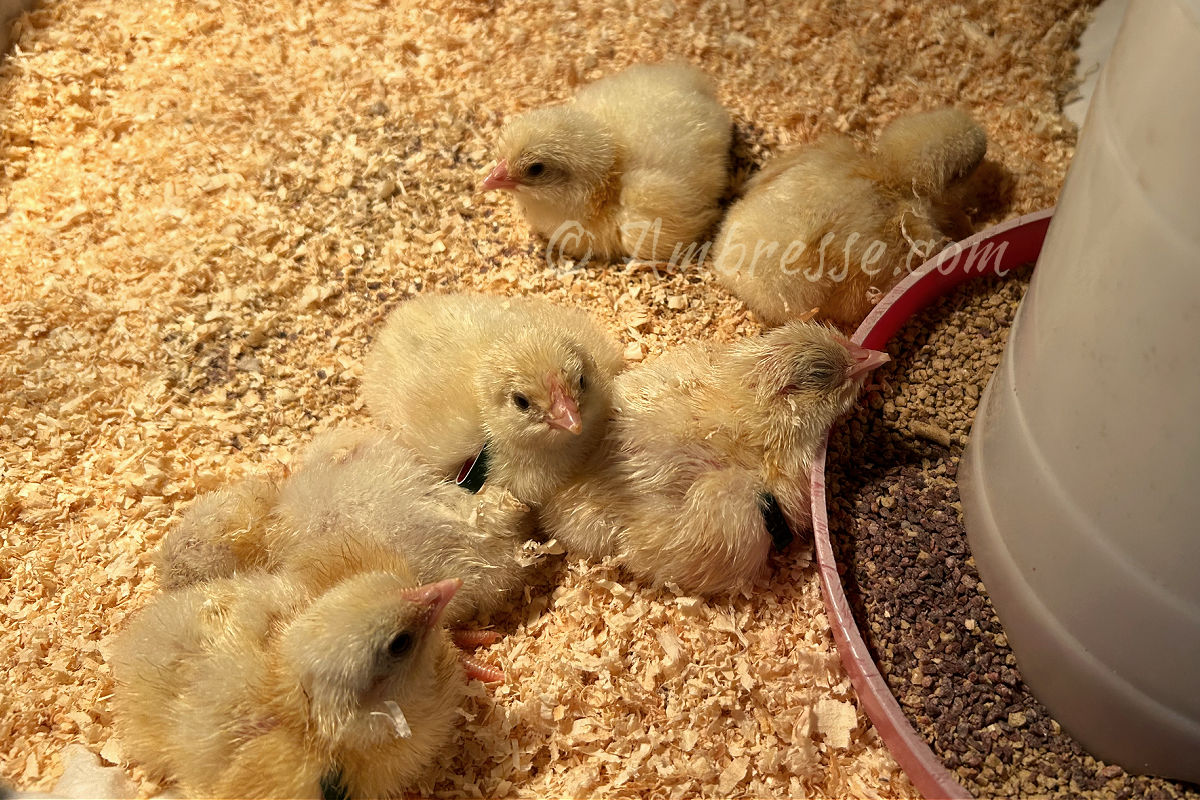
(481,672)
(469,640)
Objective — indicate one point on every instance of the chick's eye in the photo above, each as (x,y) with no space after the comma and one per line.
(535,169)
(820,375)
(400,645)
(582,383)
(520,401)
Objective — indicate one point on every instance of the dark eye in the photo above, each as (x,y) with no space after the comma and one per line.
(520,401)
(816,376)
(535,169)
(582,383)
(822,374)
(400,644)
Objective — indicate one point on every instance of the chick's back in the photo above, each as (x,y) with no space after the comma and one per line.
(832,227)
(667,117)
(798,237)
(675,137)
(362,499)
(419,374)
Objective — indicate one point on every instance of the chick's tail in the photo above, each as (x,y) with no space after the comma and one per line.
(929,152)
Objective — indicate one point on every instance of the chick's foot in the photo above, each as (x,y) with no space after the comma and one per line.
(470,639)
(481,672)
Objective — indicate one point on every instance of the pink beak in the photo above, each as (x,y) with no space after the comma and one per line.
(435,597)
(564,411)
(863,360)
(499,178)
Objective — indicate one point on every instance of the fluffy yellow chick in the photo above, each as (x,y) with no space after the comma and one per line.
(528,379)
(249,687)
(360,500)
(833,228)
(707,461)
(635,166)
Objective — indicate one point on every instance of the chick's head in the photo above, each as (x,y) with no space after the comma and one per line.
(805,377)
(372,662)
(554,158)
(538,390)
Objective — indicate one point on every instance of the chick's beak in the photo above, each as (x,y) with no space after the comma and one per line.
(435,597)
(499,178)
(564,411)
(863,360)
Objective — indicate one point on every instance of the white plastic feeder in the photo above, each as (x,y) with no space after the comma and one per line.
(1081,482)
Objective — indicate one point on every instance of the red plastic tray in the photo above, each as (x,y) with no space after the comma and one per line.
(989,252)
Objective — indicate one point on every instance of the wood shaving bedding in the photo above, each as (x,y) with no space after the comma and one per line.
(206,208)
(616,689)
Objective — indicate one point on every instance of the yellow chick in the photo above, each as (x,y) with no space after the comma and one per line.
(360,500)
(527,380)
(832,228)
(249,687)
(635,166)
(708,456)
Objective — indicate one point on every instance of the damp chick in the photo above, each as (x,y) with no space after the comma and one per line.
(707,462)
